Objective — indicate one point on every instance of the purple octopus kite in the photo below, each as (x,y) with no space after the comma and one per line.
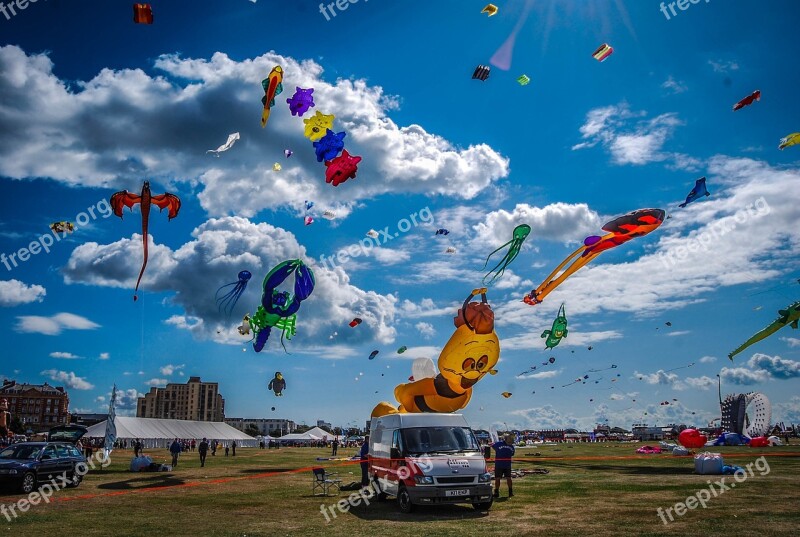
(330,145)
(341,168)
(301,101)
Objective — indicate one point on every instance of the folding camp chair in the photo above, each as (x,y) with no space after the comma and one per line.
(323,482)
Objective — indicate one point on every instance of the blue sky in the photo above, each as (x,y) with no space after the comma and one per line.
(92,104)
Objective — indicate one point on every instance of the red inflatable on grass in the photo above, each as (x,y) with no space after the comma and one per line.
(692,439)
(759,441)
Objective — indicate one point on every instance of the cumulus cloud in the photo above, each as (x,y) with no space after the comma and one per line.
(104,356)
(639,143)
(712,250)
(702,383)
(775,366)
(791,341)
(426,330)
(659,377)
(169,369)
(98,129)
(15,292)
(742,376)
(126,401)
(220,248)
(64,355)
(708,359)
(158,383)
(52,326)
(70,380)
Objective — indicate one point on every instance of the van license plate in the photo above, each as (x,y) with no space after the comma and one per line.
(459,492)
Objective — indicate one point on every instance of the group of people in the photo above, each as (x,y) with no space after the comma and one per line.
(203,447)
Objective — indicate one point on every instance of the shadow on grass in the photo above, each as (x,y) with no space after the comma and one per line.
(389,510)
(266,470)
(625,469)
(158,480)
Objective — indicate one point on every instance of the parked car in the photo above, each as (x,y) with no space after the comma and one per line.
(26,464)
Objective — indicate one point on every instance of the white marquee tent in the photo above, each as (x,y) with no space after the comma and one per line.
(311,435)
(157,433)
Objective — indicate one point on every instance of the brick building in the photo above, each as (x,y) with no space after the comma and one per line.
(40,407)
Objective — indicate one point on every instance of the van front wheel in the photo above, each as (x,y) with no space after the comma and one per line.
(484,506)
(404,501)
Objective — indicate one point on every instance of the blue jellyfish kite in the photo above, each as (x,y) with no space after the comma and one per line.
(330,145)
(228,301)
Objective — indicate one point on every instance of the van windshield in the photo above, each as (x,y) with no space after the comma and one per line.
(439,439)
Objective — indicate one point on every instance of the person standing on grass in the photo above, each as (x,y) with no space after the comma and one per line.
(175,449)
(202,449)
(365,462)
(227,450)
(233,447)
(504,452)
(335,446)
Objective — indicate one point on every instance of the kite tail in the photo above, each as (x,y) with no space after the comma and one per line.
(282,344)
(141,272)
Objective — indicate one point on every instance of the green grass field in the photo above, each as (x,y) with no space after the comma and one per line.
(592,489)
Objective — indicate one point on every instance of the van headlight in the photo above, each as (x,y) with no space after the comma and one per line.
(423,480)
(485,478)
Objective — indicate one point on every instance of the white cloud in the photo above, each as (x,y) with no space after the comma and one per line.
(169,369)
(52,326)
(792,341)
(723,66)
(64,355)
(15,292)
(158,383)
(775,366)
(191,105)
(219,249)
(675,86)
(100,399)
(659,377)
(126,401)
(638,144)
(702,383)
(708,359)
(104,356)
(70,380)
(426,330)
(743,376)
(550,373)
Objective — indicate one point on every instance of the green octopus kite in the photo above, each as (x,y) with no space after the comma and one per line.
(790,316)
(521,233)
(558,330)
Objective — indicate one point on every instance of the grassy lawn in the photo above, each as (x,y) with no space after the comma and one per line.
(599,489)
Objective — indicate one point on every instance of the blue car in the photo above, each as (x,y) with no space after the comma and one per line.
(28,464)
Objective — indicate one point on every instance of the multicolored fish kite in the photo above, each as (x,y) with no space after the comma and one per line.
(273,86)
(620,230)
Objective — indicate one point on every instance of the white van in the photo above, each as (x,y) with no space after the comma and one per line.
(428,459)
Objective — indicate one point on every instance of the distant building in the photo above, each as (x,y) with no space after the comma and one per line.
(267,427)
(87,420)
(643,433)
(324,425)
(40,407)
(195,400)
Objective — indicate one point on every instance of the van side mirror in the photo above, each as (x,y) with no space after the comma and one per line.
(394,453)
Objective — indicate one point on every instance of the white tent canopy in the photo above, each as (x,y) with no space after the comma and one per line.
(160,433)
(315,434)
